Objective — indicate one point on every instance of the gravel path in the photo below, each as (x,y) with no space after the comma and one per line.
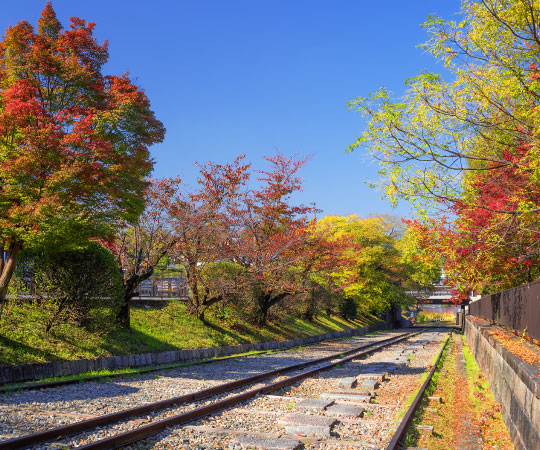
(261,415)
(31,411)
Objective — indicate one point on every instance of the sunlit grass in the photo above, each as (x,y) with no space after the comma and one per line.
(157,326)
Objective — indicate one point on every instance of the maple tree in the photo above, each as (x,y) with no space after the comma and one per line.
(73,142)
(485,250)
(139,247)
(206,223)
(232,239)
(275,247)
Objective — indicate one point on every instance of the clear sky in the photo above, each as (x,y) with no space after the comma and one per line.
(228,77)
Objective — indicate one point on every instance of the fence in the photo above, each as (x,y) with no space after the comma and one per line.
(517,309)
(156,288)
(162,287)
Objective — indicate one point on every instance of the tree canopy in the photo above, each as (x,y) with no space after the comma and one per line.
(73,142)
(467,148)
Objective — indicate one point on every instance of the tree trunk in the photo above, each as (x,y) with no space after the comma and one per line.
(266,301)
(54,317)
(7,268)
(124,317)
(262,314)
(130,286)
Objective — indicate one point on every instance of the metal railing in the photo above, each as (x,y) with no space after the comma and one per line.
(162,288)
(517,308)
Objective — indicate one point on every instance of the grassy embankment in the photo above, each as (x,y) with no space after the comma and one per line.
(160,327)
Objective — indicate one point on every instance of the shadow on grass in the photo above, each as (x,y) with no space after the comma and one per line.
(9,346)
(222,332)
(118,342)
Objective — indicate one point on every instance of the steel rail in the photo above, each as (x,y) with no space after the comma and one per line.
(89,424)
(145,431)
(402,428)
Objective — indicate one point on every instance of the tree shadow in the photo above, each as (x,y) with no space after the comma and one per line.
(16,347)
(81,391)
(220,338)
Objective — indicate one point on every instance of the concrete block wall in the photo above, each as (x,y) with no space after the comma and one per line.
(29,372)
(513,382)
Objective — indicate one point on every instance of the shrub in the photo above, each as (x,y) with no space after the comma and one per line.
(81,285)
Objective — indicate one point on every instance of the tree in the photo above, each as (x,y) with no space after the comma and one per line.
(371,274)
(469,148)
(206,224)
(275,246)
(139,247)
(73,142)
(421,265)
(484,250)
(441,131)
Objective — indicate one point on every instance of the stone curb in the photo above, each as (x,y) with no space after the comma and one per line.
(524,371)
(38,371)
(513,384)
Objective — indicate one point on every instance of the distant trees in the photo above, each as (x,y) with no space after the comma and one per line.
(248,247)
(73,142)
(374,272)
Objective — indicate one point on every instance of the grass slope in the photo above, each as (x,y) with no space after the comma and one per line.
(157,327)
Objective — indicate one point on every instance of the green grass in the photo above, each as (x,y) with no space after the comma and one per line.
(494,431)
(423,316)
(159,327)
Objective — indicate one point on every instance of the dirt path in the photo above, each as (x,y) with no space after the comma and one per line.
(466,420)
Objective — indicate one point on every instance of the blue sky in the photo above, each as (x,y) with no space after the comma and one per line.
(228,77)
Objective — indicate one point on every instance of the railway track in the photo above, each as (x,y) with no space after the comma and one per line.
(338,409)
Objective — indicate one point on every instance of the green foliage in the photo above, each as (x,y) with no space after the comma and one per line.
(81,285)
(349,309)
(423,267)
(430,140)
(428,316)
(371,270)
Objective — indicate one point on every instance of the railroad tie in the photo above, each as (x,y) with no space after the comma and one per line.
(307,425)
(313,404)
(347,383)
(264,443)
(370,385)
(356,396)
(345,411)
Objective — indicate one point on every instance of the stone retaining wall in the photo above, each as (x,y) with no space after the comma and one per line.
(27,372)
(514,384)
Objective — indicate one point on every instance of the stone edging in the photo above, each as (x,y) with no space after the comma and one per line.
(524,371)
(38,371)
(513,383)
